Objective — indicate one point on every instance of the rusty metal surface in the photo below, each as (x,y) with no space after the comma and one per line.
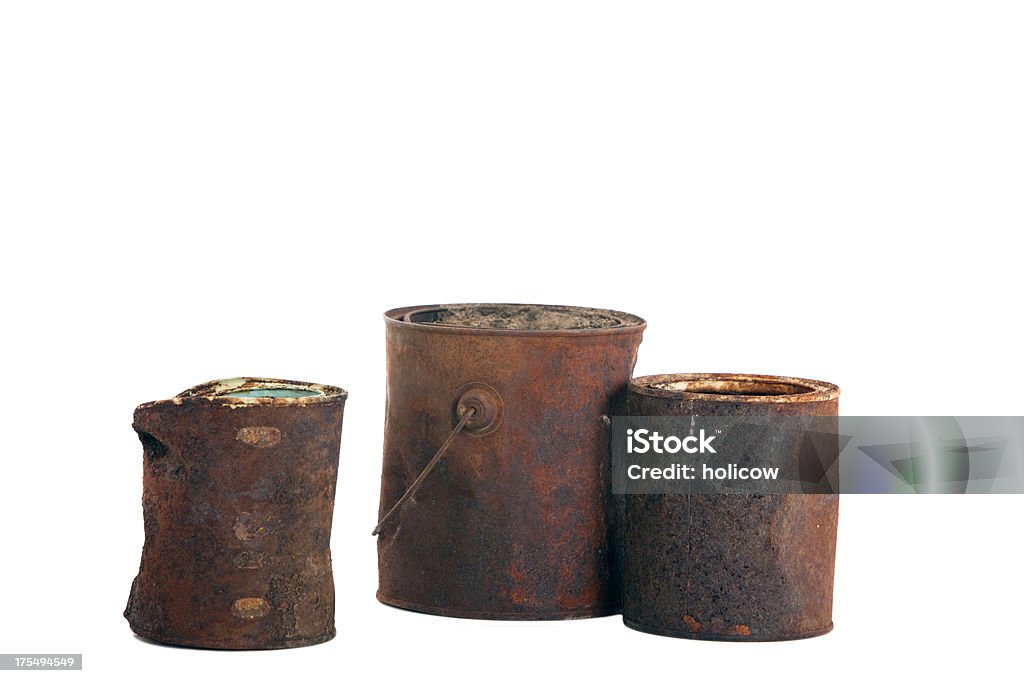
(515,521)
(730,567)
(238,498)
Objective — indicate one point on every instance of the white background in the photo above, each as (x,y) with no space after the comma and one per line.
(195,190)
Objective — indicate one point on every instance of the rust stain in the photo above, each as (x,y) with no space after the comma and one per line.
(691,623)
(250,526)
(248,559)
(251,608)
(259,437)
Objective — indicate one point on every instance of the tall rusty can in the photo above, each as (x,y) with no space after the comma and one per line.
(731,566)
(238,497)
(515,521)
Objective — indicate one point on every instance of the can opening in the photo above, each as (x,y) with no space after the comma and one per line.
(257,389)
(272,393)
(734,387)
(519,317)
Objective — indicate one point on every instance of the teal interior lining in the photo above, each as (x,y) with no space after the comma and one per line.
(272,393)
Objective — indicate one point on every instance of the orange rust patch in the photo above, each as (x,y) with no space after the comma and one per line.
(259,437)
(251,608)
(741,630)
(691,623)
(518,594)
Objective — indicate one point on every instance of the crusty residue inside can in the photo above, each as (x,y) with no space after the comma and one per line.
(516,317)
(242,389)
(734,387)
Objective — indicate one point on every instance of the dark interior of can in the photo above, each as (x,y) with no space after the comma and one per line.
(516,317)
(735,387)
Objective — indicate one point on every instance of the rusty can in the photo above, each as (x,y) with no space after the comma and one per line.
(730,566)
(515,521)
(238,497)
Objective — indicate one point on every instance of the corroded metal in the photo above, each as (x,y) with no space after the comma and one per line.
(238,497)
(516,520)
(730,567)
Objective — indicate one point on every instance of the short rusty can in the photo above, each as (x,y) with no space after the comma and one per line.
(731,566)
(516,520)
(238,498)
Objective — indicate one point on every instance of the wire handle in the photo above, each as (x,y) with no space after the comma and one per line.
(466,416)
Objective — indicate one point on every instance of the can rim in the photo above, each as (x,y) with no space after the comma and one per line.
(761,388)
(240,392)
(628,322)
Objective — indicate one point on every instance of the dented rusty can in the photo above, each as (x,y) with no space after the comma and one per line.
(516,520)
(238,497)
(731,566)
